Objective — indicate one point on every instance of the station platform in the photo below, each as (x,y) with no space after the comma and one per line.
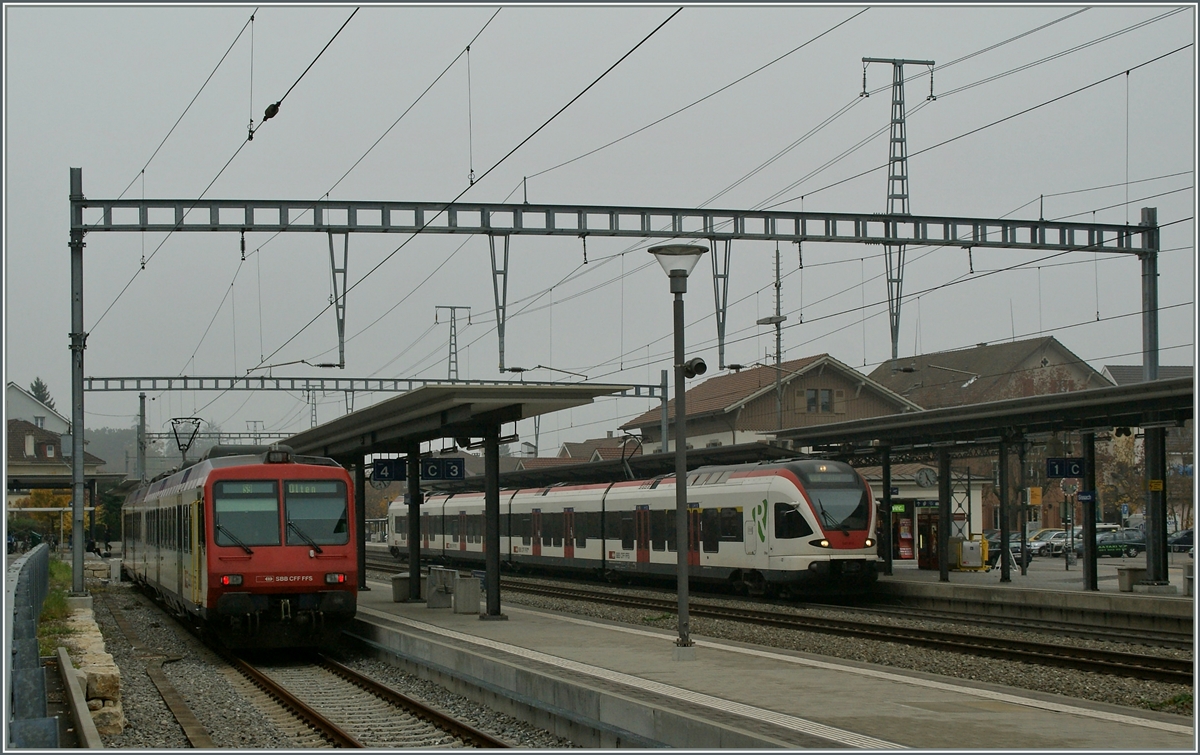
(612,685)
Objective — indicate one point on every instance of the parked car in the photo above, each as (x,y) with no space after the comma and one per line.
(1180,541)
(1014,545)
(1059,542)
(1040,543)
(1128,543)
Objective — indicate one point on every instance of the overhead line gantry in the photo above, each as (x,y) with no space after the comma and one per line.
(503,220)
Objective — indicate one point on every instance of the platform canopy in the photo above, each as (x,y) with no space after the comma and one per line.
(439,411)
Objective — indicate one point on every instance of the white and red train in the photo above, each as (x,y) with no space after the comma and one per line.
(780,527)
(254,543)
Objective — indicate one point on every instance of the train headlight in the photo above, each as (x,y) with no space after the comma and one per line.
(822,543)
(869,542)
(231,580)
(334,579)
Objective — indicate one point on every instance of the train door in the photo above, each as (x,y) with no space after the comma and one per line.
(462,530)
(693,556)
(536,536)
(196,538)
(177,550)
(641,524)
(426,524)
(568,520)
(159,537)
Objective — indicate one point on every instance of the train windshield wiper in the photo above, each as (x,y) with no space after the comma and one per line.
(825,517)
(234,538)
(304,536)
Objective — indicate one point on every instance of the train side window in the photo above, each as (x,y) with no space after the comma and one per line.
(452,529)
(400,524)
(658,529)
(523,527)
(580,524)
(731,525)
(710,530)
(628,530)
(789,522)
(556,528)
(671,530)
(475,528)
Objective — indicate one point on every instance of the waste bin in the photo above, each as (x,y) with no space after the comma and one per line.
(1128,576)
(400,587)
(441,587)
(466,595)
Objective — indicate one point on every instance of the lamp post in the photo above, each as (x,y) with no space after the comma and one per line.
(677,261)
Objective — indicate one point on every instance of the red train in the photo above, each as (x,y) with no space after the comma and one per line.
(254,543)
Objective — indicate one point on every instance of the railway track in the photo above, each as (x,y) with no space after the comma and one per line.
(1101,661)
(1134,665)
(351,710)
(1145,637)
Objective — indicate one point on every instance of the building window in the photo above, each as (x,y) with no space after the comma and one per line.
(819,400)
(49,451)
(713,444)
(40,422)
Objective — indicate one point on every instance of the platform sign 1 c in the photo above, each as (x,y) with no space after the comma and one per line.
(1064,467)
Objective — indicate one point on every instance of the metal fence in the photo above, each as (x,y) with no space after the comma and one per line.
(25,589)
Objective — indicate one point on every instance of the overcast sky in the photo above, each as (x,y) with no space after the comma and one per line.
(99,88)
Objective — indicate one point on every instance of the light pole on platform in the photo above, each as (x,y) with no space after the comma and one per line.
(677,261)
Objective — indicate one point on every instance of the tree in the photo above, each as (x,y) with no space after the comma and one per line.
(41,392)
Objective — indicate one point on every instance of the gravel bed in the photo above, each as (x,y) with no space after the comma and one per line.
(233,720)
(1084,685)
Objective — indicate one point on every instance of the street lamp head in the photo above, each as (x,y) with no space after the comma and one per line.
(678,257)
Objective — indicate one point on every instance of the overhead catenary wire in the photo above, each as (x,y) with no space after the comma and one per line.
(273,109)
(993,123)
(241,146)
(142,172)
(497,164)
(485,174)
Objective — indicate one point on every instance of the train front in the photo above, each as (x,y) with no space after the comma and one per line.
(282,567)
(826,536)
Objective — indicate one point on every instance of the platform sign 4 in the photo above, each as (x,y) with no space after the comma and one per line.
(385,470)
(1064,467)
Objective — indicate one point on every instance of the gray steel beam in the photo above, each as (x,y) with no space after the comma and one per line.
(377,385)
(278,216)
(720,265)
(78,344)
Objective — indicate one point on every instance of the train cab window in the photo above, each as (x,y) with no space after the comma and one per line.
(789,522)
(246,511)
(316,511)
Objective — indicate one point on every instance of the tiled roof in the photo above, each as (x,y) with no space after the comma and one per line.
(583,450)
(726,391)
(605,453)
(19,428)
(541,462)
(1124,374)
(973,375)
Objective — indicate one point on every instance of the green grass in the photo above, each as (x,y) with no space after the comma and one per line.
(52,623)
(1181,703)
